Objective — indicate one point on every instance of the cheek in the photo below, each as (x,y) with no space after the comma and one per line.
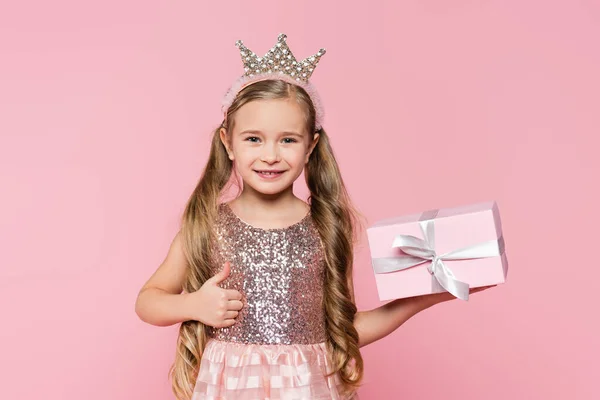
(244,154)
(295,156)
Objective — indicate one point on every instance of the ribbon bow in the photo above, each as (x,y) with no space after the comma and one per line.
(419,251)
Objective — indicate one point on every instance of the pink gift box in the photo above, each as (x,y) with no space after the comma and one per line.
(456,248)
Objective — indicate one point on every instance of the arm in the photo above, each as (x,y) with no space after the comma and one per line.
(376,324)
(160,301)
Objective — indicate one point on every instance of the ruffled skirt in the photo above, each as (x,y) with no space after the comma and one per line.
(230,370)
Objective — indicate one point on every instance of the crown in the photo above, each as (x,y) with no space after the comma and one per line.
(279,59)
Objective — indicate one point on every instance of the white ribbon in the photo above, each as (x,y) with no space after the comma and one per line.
(419,251)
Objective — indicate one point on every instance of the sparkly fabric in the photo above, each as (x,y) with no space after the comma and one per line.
(270,372)
(280,275)
(277,348)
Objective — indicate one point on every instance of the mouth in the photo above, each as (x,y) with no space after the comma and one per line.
(269,174)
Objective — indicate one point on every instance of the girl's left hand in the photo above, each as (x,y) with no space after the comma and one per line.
(479,289)
(435,298)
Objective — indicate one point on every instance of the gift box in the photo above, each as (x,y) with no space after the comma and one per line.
(448,249)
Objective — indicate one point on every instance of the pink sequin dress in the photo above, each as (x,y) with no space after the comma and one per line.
(276,349)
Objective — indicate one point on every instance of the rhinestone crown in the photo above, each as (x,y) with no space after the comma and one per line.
(279,59)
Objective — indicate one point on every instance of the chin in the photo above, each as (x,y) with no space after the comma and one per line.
(269,188)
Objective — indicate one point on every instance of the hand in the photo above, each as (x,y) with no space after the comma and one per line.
(213,305)
(435,298)
(480,289)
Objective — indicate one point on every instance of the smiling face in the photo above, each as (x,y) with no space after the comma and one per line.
(269,144)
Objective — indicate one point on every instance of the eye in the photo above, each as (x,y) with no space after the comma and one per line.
(253,139)
(289,140)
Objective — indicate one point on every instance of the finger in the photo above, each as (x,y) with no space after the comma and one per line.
(221,275)
(231,314)
(233,294)
(235,305)
(479,289)
(227,323)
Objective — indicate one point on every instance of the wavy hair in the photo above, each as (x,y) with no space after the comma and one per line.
(334,217)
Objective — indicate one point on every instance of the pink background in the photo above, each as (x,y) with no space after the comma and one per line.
(105,115)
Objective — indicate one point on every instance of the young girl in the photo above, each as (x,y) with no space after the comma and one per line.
(262,284)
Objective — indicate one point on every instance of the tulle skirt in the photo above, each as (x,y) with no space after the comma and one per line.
(230,370)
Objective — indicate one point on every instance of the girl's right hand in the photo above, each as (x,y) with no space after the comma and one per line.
(213,305)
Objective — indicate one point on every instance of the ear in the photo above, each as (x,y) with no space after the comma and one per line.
(225,141)
(311,147)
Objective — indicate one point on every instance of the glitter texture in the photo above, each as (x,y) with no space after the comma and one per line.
(280,275)
(279,59)
(278,63)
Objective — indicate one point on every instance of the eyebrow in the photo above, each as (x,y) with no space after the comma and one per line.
(254,131)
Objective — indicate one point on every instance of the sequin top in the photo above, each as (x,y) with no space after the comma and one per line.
(280,274)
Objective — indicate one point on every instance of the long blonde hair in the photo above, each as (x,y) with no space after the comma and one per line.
(336,221)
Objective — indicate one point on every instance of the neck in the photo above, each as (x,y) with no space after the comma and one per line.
(250,198)
(268,205)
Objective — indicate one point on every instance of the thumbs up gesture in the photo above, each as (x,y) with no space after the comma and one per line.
(213,305)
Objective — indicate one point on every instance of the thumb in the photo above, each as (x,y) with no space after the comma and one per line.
(223,274)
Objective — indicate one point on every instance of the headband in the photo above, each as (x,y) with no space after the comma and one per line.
(279,63)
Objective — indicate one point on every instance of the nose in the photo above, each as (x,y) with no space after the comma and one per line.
(270,153)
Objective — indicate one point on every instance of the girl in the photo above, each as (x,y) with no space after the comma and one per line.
(262,284)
